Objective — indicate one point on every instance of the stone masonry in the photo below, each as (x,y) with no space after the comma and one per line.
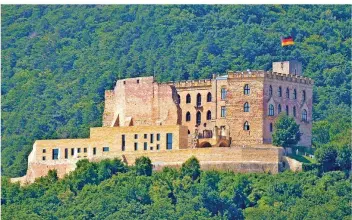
(226,122)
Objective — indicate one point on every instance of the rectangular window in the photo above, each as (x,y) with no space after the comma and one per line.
(151,138)
(145,136)
(85,150)
(123,146)
(135,146)
(66,153)
(44,150)
(158,146)
(55,154)
(94,150)
(158,137)
(145,146)
(223,111)
(78,150)
(105,149)
(72,151)
(169,141)
(136,136)
(44,158)
(223,93)
(151,148)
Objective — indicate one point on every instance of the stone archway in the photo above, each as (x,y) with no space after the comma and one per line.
(204,144)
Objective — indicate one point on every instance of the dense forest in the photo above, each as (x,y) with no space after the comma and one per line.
(58,60)
(110,190)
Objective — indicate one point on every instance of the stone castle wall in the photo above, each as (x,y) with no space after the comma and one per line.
(238,159)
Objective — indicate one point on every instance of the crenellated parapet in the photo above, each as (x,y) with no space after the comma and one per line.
(270,75)
(191,83)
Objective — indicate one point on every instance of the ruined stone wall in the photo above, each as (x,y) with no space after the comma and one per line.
(291,82)
(141,101)
(236,117)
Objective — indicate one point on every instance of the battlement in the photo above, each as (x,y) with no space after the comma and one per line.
(191,83)
(270,75)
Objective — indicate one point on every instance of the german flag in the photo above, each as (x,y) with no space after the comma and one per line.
(287,41)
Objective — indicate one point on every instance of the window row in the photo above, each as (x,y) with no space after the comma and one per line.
(199,115)
(145,136)
(71,151)
(279,93)
(271,111)
(199,98)
(168,144)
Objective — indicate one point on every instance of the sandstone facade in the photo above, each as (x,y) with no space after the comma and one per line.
(226,122)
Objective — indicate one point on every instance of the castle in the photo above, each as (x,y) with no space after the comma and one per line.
(226,122)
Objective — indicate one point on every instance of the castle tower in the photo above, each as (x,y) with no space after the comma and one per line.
(293,67)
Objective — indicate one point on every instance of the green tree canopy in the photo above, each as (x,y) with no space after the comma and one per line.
(286,131)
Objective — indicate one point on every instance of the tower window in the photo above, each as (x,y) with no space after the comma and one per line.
(271,127)
(199,120)
(287,110)
(279,92)
(209,115)
(223,93)
(94,150)
(188,98)
(246,126)
(246,89)
(66,153)
(158,137)
(271,110)
(294,111)
(188,116)
(294,94)
(304,96)
(270,90)
(151,138)
(199,100)
(304,115)
(223,111)
(246,107)
(279,109)
(145,146)
(135,146)
(287,93)
(106,149)
(209,97)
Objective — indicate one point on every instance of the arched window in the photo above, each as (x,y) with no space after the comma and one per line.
(188,98)
(223,93)
(287,110)
(287,93)
(270,90)
(246,107)
(199,100)
(304,96)
(294,111)
(188,116)
(246,89)
(271,110)
(279,92)
(209,97)
(199,120)
(209,115)
(304,115)
(246,126)
(279,109)
(271,127)
(294,94)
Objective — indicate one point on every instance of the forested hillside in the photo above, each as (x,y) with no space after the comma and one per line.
(58,60)
(110,190)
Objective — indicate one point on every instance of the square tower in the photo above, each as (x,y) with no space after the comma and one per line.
(293,67)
